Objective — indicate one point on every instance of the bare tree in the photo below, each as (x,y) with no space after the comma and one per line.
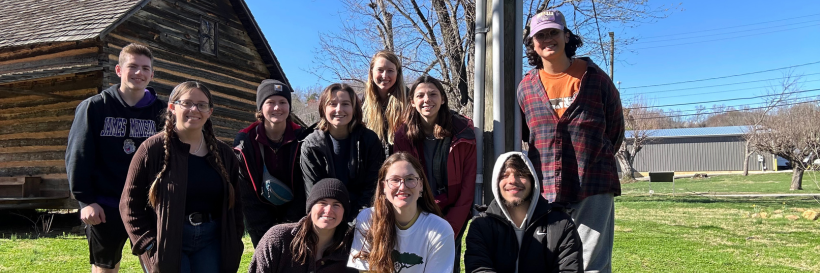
(436,37)
(775,97)
(306,103)
(792,133)
(640,121)
(432,37)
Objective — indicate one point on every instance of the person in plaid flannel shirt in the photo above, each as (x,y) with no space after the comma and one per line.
(573,115)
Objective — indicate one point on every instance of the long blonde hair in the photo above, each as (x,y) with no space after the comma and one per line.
(210,141)
(384,123)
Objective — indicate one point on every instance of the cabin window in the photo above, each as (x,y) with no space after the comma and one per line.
(207,36)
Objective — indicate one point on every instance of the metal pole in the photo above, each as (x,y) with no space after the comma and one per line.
(498,78)
(612,55)
(478,95)
(519,54)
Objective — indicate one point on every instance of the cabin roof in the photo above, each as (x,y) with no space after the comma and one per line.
(38,21)
(29,22)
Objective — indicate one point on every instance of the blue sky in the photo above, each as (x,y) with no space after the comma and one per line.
(709,39)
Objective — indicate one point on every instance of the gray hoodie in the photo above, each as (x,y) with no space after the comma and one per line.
(536,189)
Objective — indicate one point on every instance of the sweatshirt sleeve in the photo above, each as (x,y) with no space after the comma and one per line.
(615,127)
(373,160)
(137,215)
(266,257)
(359,244)
(477,251)
(80,155)
(233,166)
(461,211)
(569,253)
(442,253)
(311,164)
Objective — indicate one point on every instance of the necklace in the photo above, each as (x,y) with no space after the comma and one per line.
(202,139)
(200,145)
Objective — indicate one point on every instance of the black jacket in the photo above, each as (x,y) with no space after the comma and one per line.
(366,157)
(551,242)
(103,138)
(261,215)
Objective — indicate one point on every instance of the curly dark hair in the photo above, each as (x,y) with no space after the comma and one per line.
(534,59)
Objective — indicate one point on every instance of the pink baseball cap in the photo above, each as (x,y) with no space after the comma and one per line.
(547,19)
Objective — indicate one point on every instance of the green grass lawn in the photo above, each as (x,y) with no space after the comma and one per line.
(69,253)
(658,233)
(731,184)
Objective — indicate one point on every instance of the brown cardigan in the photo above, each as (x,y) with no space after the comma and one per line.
(163,225)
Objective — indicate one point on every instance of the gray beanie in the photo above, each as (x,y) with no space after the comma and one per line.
(271,88)
(329,188)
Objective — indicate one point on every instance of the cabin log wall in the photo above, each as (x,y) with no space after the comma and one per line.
(171,30)
(35,117)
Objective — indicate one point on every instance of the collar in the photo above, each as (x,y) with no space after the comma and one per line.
(412,221)
(262,138)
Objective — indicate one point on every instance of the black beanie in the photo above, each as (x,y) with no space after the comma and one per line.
(271,88)
(329,188)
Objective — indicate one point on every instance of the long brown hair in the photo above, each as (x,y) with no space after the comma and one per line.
(384,122)
(444,120)
(325,98)
(306,241)
(382,236)
(210,141)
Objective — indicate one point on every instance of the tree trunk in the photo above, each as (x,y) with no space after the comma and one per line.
(627,172)
(797,179)
(746,160)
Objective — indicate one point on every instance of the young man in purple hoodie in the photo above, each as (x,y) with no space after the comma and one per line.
(574,116)
(107,129)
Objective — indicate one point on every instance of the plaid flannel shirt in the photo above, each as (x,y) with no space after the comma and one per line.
(574,155)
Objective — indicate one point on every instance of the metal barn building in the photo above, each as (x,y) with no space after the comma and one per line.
(707,149)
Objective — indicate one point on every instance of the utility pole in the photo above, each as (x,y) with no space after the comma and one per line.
(612,55)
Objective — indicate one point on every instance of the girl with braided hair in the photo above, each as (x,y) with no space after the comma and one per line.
(179,205)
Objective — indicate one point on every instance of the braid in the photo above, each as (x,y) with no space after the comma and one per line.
(153,200)
(211,140)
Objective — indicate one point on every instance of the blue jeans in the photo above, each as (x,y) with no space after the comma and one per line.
(200,248)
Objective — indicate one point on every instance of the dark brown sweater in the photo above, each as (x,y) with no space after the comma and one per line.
(273,254)
(163,225)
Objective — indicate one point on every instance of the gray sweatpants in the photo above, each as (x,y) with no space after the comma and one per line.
(595,219)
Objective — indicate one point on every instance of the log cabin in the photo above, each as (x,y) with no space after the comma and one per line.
(54,54)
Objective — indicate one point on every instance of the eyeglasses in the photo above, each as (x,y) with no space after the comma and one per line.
(409,182)
(189,105)
(545,35)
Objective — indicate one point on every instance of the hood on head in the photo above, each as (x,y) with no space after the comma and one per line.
(536,189)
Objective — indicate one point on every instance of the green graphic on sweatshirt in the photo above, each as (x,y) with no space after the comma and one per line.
(405,260)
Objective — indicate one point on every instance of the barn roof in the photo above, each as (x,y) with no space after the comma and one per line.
(694,132)
(28,22)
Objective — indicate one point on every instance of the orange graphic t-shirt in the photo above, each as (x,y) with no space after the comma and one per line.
(562,88)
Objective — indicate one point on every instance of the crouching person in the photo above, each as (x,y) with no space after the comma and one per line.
(520,231)
(317,243)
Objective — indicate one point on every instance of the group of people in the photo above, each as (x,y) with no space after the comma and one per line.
(382,183)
